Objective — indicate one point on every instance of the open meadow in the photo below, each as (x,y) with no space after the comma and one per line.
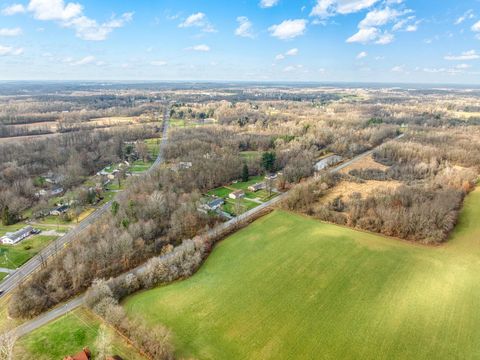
(290,287)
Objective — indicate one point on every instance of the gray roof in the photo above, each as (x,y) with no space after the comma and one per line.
(216,202)
(328,161)
(20,233)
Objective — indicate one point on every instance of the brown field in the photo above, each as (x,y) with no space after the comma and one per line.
(346,188)
(365,163)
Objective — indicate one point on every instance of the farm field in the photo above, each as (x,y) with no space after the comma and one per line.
(67,336)
(290,287)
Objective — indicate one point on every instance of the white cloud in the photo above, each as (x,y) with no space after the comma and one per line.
(327,8)
(70,15)
(451,71)
(385,38)
(364,35)
(10,31)
(84,61)
(292,52)
(379,17)
(10,51)
(463,66)
(288,29)
(370,28)
(464,56)
(54,10)
(244,28)
(292,68)
(467,16)
(411,28)
(198,20)
(268,3)
(88,29)
(200,48)
(362,55)
(399,69)
(14,9)
(158,63)
(476,27)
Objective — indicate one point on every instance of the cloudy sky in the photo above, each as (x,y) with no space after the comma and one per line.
(429,41)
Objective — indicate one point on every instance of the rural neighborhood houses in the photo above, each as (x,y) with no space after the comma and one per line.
(17,236)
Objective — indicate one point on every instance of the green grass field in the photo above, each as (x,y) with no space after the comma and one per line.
(246,184)
(220,192)
(67,336)
(13,256)
(153,146)
(290,287)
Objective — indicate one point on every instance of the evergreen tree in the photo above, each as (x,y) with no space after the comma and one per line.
(6,216)
(268,161)
(245,173)
(115,207)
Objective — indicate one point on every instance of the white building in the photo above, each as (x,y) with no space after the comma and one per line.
(327,162)
(17,236)
(238,194)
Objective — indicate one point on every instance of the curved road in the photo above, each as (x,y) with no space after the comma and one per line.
(15,278)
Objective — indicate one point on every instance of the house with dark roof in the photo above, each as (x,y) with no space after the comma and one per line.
(213,205)
(17,236)
(256,187)
(59,210)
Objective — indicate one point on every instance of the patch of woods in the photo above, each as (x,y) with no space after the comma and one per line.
(159,211)
(155,214)
(71,158)
(437,169)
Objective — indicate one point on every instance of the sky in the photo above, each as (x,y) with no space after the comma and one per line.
(409,41)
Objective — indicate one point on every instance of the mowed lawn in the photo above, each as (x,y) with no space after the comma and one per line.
(69,335)
(290,287)
(13,256)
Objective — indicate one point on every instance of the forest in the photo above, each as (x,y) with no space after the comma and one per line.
(432,167)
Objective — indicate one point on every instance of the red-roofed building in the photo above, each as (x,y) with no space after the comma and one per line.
(85,354)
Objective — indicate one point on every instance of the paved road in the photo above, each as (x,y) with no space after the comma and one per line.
(43,319)
(73,304)
(12,281)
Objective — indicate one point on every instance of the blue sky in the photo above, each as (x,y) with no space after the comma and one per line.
(428,41)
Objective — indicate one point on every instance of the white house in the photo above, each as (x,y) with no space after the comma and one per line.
(17,236)
(237,194)
(256,187)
